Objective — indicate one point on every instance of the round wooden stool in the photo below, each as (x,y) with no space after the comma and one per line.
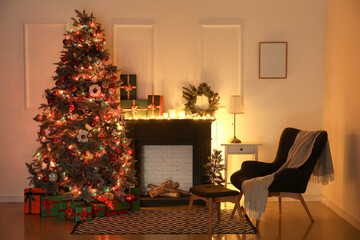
(215,194)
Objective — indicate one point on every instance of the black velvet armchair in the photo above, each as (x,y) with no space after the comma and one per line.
(289,180)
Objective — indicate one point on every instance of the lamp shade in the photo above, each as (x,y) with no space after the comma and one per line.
(236,104)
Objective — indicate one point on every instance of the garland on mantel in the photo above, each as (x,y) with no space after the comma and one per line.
(191,93)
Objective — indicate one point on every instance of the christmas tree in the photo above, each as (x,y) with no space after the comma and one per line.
(83,149)
(214,168)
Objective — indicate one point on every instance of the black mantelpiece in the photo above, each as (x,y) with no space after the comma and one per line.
(172,132)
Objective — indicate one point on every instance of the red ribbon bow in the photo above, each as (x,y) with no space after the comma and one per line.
(84,215)
(69,212)
(152,107)
(47,205)
(128,87)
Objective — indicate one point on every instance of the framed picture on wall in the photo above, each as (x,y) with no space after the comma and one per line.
(273,60)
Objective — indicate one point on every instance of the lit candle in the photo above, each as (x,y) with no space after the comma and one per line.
(172,113)
(181,114)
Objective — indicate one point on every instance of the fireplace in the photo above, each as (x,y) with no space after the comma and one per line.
(196,133)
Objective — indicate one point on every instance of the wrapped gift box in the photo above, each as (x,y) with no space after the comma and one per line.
(116,207)
(50,206)
(128,87)
(67,209)
(135,108)
(32,200)
(83,214)
(98,209)
(155,106)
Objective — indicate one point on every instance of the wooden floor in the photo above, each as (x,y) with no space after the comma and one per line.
(293,224)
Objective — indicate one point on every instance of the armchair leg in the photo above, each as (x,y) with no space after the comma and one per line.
(238,198)
(305,206)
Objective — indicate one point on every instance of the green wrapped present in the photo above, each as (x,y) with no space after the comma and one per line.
(132,202)
(128,87)
(50,206)
(83,214)
(67,209)
(98,209)
(135,108)
(155,106)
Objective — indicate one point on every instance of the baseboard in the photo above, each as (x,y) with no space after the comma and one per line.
(307,197)
(11,198)
(341,212)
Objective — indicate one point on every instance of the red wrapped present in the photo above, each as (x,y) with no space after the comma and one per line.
(98,209)
(32,200)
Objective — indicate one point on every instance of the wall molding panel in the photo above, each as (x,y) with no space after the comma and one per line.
(133,46)
(43,43)
(221,51)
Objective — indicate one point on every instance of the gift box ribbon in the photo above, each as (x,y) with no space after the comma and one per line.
(107,202)
(128,87)
(95,209)
(152,107)
(48,204)
(84,214)
(135,109)
(30,197)
(69,212)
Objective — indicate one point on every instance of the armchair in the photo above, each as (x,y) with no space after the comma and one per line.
(289,180)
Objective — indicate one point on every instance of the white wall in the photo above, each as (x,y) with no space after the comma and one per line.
(341,105)
(181,54)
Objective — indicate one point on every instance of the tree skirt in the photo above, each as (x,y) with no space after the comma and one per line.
(165,222)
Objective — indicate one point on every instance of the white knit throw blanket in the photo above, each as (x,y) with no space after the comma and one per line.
(256,189)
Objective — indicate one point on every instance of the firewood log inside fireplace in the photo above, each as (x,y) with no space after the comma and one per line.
(166,189)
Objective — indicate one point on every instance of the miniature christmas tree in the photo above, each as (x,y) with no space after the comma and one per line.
(84,151)
(214,168)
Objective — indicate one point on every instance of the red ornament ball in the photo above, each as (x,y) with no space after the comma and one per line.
(55,140)
(114,78)
(68,76)
(46,160)
(50,101)
(93,124)
(97,48)
(62,79)
(130,198)
(64,59)
(118,151)
(54,93)
(42,132)
(89,183)
(131,151)
(74,88)
(101,136)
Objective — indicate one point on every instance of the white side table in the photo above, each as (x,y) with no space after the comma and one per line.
(239,148)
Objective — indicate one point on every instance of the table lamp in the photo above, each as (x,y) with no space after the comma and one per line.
(236,106)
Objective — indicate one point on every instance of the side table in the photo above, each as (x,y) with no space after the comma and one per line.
(239,148)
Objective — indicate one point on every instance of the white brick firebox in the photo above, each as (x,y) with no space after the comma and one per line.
(167,162)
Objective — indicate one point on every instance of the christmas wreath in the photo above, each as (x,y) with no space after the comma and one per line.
(191,95)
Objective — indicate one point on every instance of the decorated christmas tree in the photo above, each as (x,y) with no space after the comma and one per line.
(83,151)
(214,168)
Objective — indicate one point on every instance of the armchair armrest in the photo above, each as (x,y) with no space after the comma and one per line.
(293,180)
(255,168)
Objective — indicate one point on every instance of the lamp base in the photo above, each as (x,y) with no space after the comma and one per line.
(234,140)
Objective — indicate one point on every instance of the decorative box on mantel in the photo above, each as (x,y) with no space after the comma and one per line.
(172,132)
